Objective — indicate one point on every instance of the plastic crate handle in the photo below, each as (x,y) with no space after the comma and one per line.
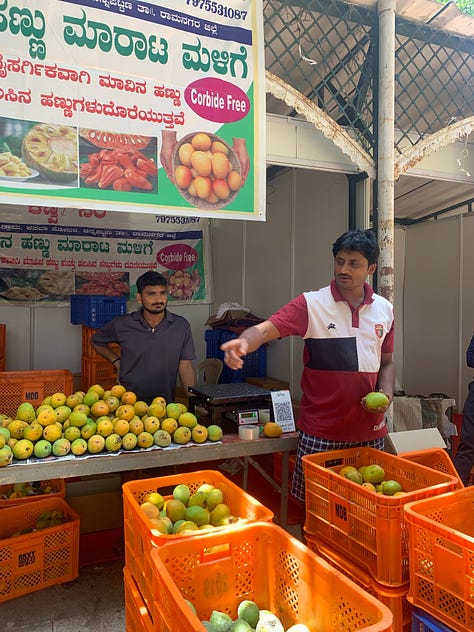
(216,553)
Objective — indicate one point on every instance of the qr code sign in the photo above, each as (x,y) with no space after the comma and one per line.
(283,410)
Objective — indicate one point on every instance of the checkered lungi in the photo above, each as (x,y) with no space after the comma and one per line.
(307,444)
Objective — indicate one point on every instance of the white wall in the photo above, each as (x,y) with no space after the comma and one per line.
(438,309)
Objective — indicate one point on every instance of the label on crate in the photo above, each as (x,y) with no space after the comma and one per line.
(339,514)
(27,557)
(283,410)
(32,393)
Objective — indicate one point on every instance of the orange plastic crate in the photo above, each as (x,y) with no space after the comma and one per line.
(395,598)
(17,387)
(137,617)
(57,485)
(97,371)
(3,343)
(38,559)
(87,348)
(441,539)
(261,562)
(367,527)
(141,537)
(436,458)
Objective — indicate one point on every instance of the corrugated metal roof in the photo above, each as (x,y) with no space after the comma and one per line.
(444,16)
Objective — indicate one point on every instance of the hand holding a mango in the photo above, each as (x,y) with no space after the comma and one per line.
(375,402)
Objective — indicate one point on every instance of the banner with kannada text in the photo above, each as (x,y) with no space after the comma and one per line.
(49,253)
(146,107)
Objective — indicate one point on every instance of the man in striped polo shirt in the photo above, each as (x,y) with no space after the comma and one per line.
(348,333)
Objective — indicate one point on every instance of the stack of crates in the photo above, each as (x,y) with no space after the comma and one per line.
(255,363)
(3,342)
(362,533)
(441,550)
(94,368)
(93,312)
(260,562)
(141,538)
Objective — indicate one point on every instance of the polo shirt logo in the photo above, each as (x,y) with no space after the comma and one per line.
(379,331)
(331,326)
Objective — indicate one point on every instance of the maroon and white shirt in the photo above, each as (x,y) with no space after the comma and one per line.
(342,352)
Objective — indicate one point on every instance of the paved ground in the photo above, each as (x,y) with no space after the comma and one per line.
(92,603)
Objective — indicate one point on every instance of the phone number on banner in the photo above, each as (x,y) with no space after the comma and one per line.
(214,7)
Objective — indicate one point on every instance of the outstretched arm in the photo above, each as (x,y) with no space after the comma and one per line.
(249,340)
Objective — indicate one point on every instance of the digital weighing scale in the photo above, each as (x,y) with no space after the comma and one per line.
(237,402)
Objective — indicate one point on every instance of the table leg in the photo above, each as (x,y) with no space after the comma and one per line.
(284,489)
(245,479)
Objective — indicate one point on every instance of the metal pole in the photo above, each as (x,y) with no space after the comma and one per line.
(386,144)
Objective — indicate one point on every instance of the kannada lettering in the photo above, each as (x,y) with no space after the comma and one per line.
(52,71)
(168,93)
(51,212)
(199,58)
(15,96)
(120,4)
(127,247)
(22,22)
(106,81)
(36,243)
(6,242)
(83,32)
(78,245)
(69,106)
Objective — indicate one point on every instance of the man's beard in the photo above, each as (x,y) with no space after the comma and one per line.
(155,309)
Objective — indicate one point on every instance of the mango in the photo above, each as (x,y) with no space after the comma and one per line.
(26,412)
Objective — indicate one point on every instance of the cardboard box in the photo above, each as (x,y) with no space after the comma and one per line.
(98,501)
(269,383)
(409,440)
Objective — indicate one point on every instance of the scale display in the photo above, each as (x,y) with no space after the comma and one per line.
(243,417)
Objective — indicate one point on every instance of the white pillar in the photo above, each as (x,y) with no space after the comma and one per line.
(386,147)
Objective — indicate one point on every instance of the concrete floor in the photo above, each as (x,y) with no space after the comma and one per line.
(94,602)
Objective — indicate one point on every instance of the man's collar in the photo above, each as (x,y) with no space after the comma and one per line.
(139,314)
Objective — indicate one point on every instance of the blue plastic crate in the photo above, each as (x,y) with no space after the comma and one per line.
(96,311)
(255,364)
(423,622)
